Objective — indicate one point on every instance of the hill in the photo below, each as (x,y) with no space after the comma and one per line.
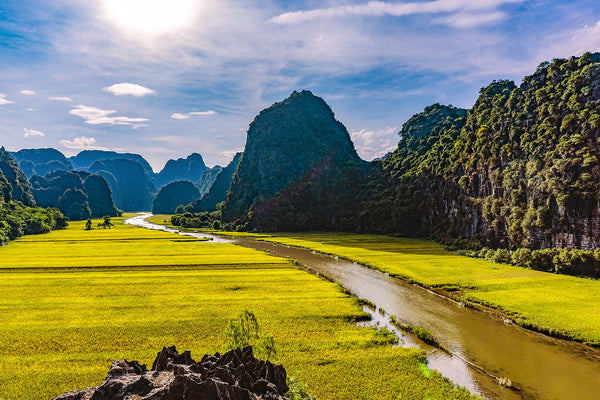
(132,189)
(41,161)
(297,168)
(77,194)
(219,189)
(174,194)
(521,170)
(188,169)
(86,158)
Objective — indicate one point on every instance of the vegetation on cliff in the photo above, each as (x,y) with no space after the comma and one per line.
(78,194)
(174,194)
(297,170)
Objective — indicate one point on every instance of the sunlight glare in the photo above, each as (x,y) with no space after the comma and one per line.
(151,16)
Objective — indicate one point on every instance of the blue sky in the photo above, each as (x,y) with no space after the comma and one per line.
(165,78)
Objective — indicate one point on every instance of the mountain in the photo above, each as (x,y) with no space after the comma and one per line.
(208,179)
(41,161)
(189,169)
(77,194)
(86,158)
(174,194)
(522,170)
(18,217)
(220,187)
(14,185)
(298,168)
(132,188)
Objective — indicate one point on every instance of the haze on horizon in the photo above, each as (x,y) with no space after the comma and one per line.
(168,78)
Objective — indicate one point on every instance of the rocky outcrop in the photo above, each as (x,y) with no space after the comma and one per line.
(235,375)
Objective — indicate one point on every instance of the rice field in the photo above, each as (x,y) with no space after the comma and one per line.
(557,304)
(72,301)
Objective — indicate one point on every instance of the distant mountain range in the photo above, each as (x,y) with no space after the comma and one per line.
(132,182)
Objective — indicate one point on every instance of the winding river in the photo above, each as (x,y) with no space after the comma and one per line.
(543,368)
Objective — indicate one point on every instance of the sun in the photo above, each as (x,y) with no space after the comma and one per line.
(151,17)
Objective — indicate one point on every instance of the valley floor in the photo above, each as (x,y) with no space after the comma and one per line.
(558,305)
(71,301)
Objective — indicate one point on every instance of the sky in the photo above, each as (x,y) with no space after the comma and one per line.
(165,78)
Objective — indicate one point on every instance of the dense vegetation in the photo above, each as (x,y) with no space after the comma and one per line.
(18,216)
(103,294)
(78,194)
(523,171)
(296,170)
(17,220)
(174,194)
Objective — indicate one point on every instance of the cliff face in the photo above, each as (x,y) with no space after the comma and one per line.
(523,171)
(296,167)
(218,190)
(14,185)
(189,169)
(132,188)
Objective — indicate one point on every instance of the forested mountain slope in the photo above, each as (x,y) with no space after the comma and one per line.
(297,168)
(522,170)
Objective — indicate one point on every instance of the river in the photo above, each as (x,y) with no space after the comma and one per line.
(543,368)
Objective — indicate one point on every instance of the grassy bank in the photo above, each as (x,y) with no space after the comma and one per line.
(71,301)
(559,305)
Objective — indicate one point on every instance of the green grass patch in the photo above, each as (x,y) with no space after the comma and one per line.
(63,321)
(561,305)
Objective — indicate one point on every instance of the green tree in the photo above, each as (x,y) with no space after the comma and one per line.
(88,225)
(245,331)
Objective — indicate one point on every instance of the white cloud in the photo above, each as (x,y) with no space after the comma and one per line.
(27,92)
(96,116)
(373,144)
(81,143)
(3,100)
(61,98)
(132,89)
(186,116)
(32,133)
(179,116)
(470,20)
(381,8)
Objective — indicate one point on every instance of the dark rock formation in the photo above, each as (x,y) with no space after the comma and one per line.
(207,179)
(220,187)
(186,169)
(235,375)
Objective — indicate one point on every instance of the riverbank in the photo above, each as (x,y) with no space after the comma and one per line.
(557,305)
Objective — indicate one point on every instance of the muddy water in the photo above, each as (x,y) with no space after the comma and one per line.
(544,368)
